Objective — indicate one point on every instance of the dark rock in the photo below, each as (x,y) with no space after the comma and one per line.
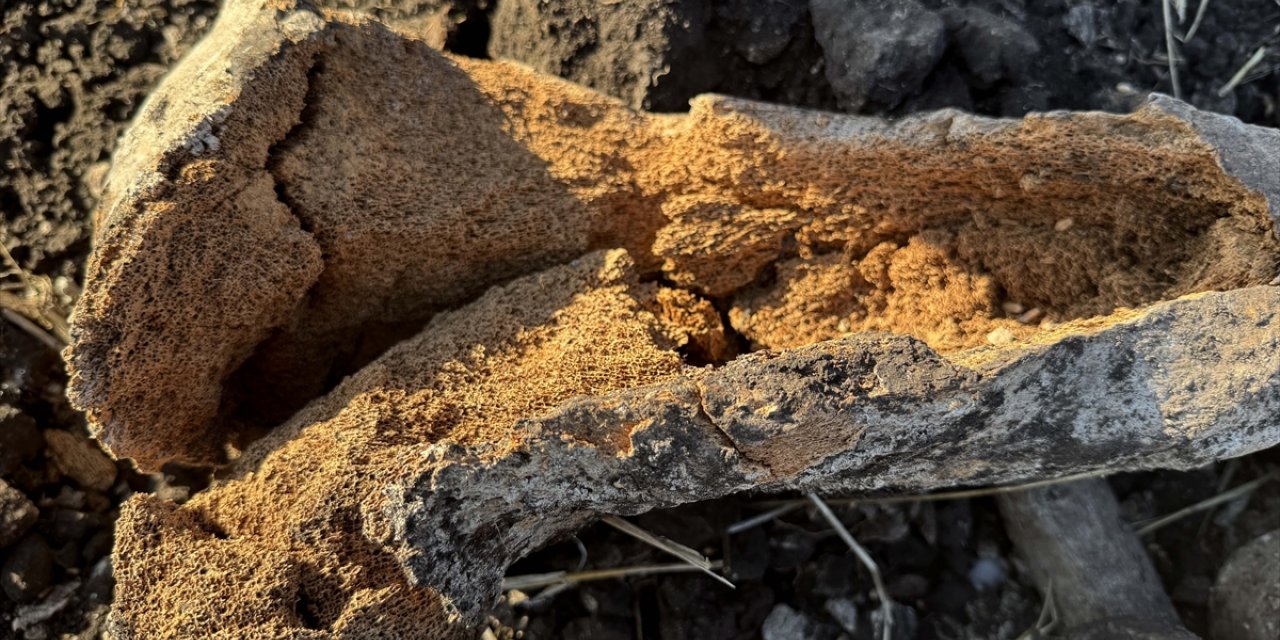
(100,583)
(67,556)
(791,550)
(785,623)
(845,612)
(592,628)
(1130,629)
(762,29)
(906,623)
(992,48)
(1081,22)
(834,575)
(749,555)
(908,586)
(68,525)
(1245,604)
(647,53)
(28,570)
(879,51)
(97,546)
(17,514)
(19,439)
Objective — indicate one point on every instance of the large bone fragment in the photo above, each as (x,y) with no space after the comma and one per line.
(433,313)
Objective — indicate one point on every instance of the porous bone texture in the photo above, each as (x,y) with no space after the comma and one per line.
(433,313)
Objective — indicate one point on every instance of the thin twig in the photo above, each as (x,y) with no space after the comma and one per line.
(539,580)
(676,549)
(1209,503)
(1048,618)
(32,328)
(1195,24)
(951,495)
(1244,70)
(1167,9)
(757,520)
(886,603)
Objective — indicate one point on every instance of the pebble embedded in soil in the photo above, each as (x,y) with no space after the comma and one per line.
(28,570)
(877,52)
(20,440)
(1245,604)
(81,459)
(17,514)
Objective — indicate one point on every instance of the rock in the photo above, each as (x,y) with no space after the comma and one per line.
(81,459)
(845,612)
(1245,604)
(877,51)
(905,622)
(1129,629)
(19,439)
(649,53)
(473,249)
(763,29)
(992,48)
(26,619)
(785,623)
(68,525)
(17,514)
(100,583)
(27,572)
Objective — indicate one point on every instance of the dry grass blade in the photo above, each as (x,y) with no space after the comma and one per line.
(540,580)
(1209,503)
(35,312)
(949,495)
(1171,48)
(693,558)
(1048,619)
(757,520)
(886,603)
(32,328)
(1238,79)
(1195,24)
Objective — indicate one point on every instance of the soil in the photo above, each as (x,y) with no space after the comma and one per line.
(76,70)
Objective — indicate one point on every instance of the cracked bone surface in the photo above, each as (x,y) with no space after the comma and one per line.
(432,313)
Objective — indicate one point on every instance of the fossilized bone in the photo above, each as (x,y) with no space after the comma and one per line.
(467,305)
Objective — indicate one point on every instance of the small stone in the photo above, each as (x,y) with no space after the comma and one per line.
(877,51)
(1064,224)
(28,571)
(17,514)
(1001,337)
(81,459)
(845,612)
(992,48)
(908,586)
(1012,308)
(70,525)
(19,439)
(101,582)
(1245,604)
(905,622)
(67,556)
(98,546)
(1032,316)
(785,623)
